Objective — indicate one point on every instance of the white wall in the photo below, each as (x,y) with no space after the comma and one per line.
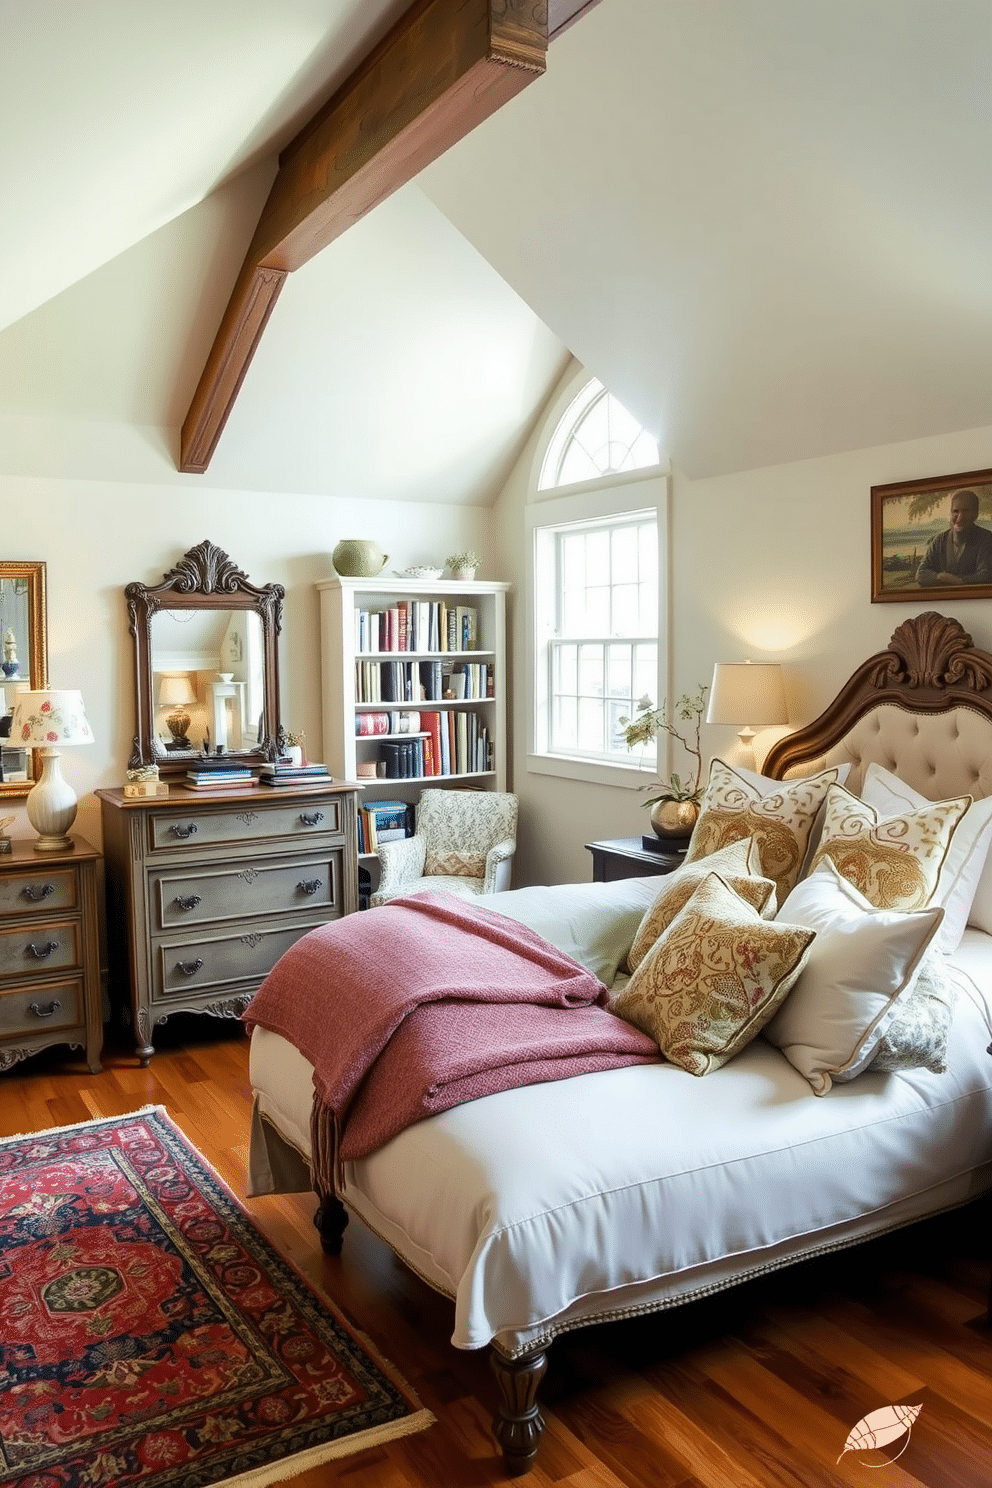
(767,564)
(97,537)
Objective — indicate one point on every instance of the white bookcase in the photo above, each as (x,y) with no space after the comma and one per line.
(351,666)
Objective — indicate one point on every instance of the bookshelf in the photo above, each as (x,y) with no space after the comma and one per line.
(390,655)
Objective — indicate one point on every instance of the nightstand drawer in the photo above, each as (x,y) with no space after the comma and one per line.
(40,1009)
(260,888)
(38,950)
(242,823)
(188,967)
(38,891)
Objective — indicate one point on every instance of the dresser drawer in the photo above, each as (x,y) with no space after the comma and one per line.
(40,949)
(241,823)
(38,891)
(201,896)
(41,1009)
(190,966)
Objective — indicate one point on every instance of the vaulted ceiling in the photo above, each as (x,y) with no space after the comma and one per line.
(763,225)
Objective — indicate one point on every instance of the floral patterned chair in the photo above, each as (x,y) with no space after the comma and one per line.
(464,843)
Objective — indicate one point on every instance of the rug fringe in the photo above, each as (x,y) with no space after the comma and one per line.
(49,1131)
(301,1462)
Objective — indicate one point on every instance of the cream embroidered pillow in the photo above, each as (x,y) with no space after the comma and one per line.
(962,869)
(861,964)
(894,861)
(738,864)
(779,818)
(713,979)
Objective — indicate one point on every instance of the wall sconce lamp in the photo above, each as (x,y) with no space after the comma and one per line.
(744,694)
(42,720)
(177,693)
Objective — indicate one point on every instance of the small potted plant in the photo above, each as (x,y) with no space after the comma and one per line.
(463,565)
(674,803)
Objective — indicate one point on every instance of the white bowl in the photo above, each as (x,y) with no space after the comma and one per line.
(420,571)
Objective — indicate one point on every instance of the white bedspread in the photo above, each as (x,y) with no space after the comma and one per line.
(542,1208)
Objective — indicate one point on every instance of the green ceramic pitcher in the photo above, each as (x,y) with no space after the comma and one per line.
(358,558)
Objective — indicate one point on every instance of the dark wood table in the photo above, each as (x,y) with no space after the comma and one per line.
(627,857)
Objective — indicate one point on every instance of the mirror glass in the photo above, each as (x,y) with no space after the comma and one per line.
(23,664)
(206,664)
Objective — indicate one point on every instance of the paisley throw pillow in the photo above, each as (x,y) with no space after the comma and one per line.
(780,819)
(894,861)
(712,980)
(739,865)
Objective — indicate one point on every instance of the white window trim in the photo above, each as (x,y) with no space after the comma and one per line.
(613,495)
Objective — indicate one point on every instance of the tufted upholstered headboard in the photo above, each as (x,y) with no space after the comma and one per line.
(922,709)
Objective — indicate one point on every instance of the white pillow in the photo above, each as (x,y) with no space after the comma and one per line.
(966,856)
(860,963)
(594,923)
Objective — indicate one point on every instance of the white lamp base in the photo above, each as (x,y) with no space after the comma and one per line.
(51,806)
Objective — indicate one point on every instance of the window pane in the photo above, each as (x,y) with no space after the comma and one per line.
(625,555)
(596,620)
(618,660)
(591,670)
(565,735)
(590,725)
(626,610)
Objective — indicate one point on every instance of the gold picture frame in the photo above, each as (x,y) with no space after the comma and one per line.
(914,554)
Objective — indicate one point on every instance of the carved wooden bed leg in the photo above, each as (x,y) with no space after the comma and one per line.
(518,1423)
(331,1220)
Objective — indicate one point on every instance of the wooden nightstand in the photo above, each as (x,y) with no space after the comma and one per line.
(625,857)
(49,952)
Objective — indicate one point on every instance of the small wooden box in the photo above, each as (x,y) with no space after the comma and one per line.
(143,788)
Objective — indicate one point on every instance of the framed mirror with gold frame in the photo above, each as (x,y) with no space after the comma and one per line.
(23,664)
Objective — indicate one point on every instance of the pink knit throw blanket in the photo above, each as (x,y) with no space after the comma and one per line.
(426,1002)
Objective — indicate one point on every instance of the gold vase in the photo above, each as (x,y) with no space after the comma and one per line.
(674,818)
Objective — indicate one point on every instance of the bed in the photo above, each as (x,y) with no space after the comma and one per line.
(629,1190)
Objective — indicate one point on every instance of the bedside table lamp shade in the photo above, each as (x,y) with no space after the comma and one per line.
(41,721)
(747,693)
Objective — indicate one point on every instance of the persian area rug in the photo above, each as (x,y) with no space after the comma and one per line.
(150,1334)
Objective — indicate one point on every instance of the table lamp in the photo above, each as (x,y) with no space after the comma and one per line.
(747,693)
(42,720)
(177,693)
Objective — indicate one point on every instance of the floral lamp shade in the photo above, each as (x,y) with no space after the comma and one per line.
(49,721)
(50,717)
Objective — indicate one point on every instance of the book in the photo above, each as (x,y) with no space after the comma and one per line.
(217,777)
(205,783)
(278,781)
(277,767)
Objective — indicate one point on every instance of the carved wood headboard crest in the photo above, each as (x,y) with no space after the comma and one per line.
(930,666)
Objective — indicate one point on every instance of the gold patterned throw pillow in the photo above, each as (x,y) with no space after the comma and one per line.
(894,861)
(713,979)
(780,820)
(739,865)
(459,864)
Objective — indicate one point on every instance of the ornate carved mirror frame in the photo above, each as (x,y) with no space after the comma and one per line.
(22,592)
(206,586)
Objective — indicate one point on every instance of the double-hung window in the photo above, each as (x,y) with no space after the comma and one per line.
(602,651)
(597,522)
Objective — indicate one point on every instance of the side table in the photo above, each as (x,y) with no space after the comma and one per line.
(49,952)
(626,857)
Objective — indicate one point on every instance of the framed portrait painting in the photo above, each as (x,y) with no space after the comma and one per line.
(932,539)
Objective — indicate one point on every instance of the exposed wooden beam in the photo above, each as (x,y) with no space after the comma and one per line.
(443,68)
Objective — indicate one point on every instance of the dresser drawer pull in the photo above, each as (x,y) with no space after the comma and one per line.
(309,885)
(189,902)
(36,892)
(40,952)
(56,1007)
(183,831)
(189,968)
(311,818)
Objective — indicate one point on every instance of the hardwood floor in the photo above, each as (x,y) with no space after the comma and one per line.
(757,1387)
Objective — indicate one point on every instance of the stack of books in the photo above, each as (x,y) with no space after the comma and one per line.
(383,821)
(281,772)
(212,774)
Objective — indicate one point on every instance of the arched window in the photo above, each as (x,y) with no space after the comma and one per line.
(596,436)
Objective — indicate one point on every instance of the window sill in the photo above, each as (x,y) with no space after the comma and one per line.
(596,772)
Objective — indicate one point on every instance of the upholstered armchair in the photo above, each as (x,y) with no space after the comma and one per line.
(464,843)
